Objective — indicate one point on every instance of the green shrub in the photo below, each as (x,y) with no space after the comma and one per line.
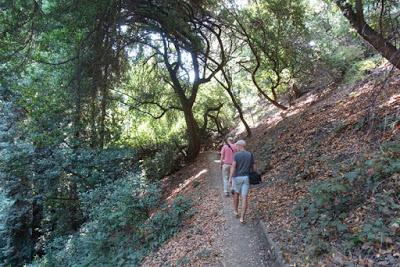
(357,70)
(326,207)
(120,229)
(370,185)
(165,161)
(344,57)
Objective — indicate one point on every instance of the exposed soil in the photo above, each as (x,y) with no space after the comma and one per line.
(213,236)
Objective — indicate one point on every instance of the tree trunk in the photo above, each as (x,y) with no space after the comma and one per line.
(78,100)
(103,107)
(193,134)
(383,46)
(260,90)
(93,113)
(236,104)
(274,95)
(75,213)
(296,91)
(240,111)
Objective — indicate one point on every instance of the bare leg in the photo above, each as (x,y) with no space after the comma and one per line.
(244,207)
(236,202)
(225,177)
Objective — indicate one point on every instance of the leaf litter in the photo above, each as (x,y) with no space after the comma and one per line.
(310,143)
(295,149)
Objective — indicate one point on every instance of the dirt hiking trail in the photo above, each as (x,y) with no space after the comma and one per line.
(213,236)
(243,245)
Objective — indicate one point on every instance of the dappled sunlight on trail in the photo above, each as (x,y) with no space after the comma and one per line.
(201,174)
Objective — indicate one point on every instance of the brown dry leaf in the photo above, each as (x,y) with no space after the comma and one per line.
(303,147)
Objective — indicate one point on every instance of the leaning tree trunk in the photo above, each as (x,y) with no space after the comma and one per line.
(383,46)
(228,88)
(261,91)
(240,111)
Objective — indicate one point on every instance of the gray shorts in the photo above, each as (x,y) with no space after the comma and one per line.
(241,185)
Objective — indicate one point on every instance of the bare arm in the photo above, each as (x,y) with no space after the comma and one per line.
(222,156)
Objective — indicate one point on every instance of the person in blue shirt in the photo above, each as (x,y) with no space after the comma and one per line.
(243,164)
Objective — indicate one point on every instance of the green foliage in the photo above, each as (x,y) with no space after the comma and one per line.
(344,58)
(332,39)
(326,208)
(209,97)
(371,185)
(359,69)
(89,102)
(277,33)
(42,182)
(120,229)
(149,110)
(86,202)
(16,243)
(165,160)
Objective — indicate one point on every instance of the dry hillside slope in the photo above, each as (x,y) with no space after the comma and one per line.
(319,139)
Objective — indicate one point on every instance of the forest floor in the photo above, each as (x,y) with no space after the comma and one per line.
(213,236)
(324,131)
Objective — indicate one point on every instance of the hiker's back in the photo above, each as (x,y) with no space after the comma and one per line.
(244,161)
(227,153)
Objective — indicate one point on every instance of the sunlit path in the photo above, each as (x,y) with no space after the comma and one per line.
(242,245)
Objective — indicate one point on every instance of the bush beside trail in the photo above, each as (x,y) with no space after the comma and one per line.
(124,223)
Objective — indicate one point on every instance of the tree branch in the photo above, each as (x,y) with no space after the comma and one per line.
(207,114)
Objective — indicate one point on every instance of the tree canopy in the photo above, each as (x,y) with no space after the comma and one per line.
(106,97)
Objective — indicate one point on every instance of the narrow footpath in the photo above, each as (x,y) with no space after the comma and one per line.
(243,245)
(213,236)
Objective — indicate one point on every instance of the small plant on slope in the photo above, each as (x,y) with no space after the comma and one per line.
(357,209)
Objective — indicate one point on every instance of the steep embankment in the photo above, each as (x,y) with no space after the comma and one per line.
(319,139)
